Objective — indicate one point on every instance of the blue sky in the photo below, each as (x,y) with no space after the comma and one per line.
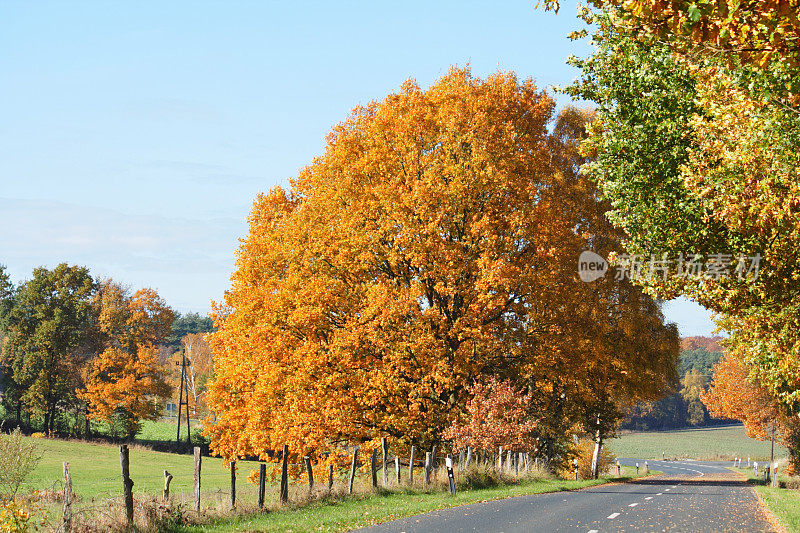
(135,135)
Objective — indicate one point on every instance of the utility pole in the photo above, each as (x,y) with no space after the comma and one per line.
(184,363)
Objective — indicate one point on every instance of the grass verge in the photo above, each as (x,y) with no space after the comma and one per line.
(342,513)
(784,504)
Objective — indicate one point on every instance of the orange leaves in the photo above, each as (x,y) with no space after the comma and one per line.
(124,383)
(432,245)
(734,395)
(498,416)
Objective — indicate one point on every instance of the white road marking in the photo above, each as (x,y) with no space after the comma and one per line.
(649,498)
(633,505)
(667,490)
(612,516)
(592,531)
(659,494)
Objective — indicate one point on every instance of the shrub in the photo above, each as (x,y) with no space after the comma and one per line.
(15,518)
(18,458)
(583,451)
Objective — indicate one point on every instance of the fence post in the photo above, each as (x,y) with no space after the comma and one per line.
(233,484)
(262,474)
(127,483)
(284,496)
(427,469)
(384,459)
(330,477)
(411,466)
(374,461)
(397,468)
(197,463)
(167,481)
(310,472)
(353,470)
(67,512)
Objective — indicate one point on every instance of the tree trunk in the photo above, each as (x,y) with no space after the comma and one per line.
(598,444)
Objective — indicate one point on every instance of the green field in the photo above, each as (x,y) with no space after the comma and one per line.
(95,469)
(718,443)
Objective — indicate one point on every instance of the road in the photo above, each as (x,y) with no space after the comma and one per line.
(690,496)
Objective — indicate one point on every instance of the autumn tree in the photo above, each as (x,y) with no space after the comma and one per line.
(498,415)
(698,154)
(122,386)
(126,378)
(734,394)
(48,327)
(433,245)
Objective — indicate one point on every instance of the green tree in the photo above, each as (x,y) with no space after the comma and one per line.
(186,325)
(699,154)
(48,335)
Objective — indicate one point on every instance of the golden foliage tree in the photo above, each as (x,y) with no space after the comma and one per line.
(734,394)
(126,378)
(122,386)
(432,245)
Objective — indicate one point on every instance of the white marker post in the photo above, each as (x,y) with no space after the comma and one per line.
(450,477)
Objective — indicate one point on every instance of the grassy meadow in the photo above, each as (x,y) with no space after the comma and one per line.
(716,443)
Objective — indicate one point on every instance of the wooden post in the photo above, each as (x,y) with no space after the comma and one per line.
(284,496)
(411,466)
(427,469)
(167,481)
(66,515)
(353,470)
(384,460)
(127,483)
(233,484)
(197,463)
(330,477)
(310,472)
(262,475)
(397,468)
(374,460)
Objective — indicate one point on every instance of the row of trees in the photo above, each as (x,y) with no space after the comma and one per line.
(695,145)
(75,348)
(429,253)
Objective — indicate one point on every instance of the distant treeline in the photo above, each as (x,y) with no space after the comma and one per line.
(684,408)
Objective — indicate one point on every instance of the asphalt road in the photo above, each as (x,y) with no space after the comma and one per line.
(690,496)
